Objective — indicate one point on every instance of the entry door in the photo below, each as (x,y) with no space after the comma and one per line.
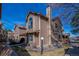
(27,41)
(29,38)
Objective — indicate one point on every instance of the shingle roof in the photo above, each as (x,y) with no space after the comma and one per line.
(22,27)
(57,19)
(38,14)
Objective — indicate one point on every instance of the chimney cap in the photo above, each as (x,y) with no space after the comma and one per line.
(49,5)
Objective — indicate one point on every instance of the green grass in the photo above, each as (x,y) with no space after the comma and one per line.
(66,46)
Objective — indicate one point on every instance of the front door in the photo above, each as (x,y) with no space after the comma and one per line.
(29,39)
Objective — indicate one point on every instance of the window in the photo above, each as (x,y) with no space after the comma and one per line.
(30,37)
(63,36)
(30,26)
(59,36)
(66,36)
(56,25)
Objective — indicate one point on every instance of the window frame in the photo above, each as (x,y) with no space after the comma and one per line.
(30,25)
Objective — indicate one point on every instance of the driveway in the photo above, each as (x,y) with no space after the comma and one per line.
(72,51)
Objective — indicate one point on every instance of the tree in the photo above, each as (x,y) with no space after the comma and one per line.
(70,15)
(75,24)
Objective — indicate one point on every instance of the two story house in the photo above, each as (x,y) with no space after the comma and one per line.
(39,26)
(3,34)
(18,31)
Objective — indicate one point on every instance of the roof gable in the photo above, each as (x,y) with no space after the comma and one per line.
(37,14)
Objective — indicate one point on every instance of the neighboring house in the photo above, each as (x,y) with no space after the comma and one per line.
(18,30)
(66,38)
(10,36)
(76,38)
(56,32)
(39,26)
(76,41)
(3,34)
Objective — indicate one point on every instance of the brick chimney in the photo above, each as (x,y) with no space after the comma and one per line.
(48,14)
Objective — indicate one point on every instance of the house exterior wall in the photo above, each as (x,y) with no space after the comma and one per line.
(57,33)
(44,32)
(35,22)
(11,35)
(3,34)
(58,30)
(41,25)
(22,31)
(36,27)
(35,41)
(16,34)
(66,38)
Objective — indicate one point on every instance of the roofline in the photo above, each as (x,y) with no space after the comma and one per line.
(38,14)
(58,18)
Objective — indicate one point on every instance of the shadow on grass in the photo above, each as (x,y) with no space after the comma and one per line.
(21,51)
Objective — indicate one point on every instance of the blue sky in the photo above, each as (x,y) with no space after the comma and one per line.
(16,14)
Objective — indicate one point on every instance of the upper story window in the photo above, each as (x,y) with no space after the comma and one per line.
(56,25)
(30,26)
(59,36)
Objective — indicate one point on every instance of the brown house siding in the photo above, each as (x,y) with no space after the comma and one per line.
(44,31)
(41,28)
(34,30)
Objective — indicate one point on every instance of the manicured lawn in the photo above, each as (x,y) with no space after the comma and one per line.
(66,46)
(56,52)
